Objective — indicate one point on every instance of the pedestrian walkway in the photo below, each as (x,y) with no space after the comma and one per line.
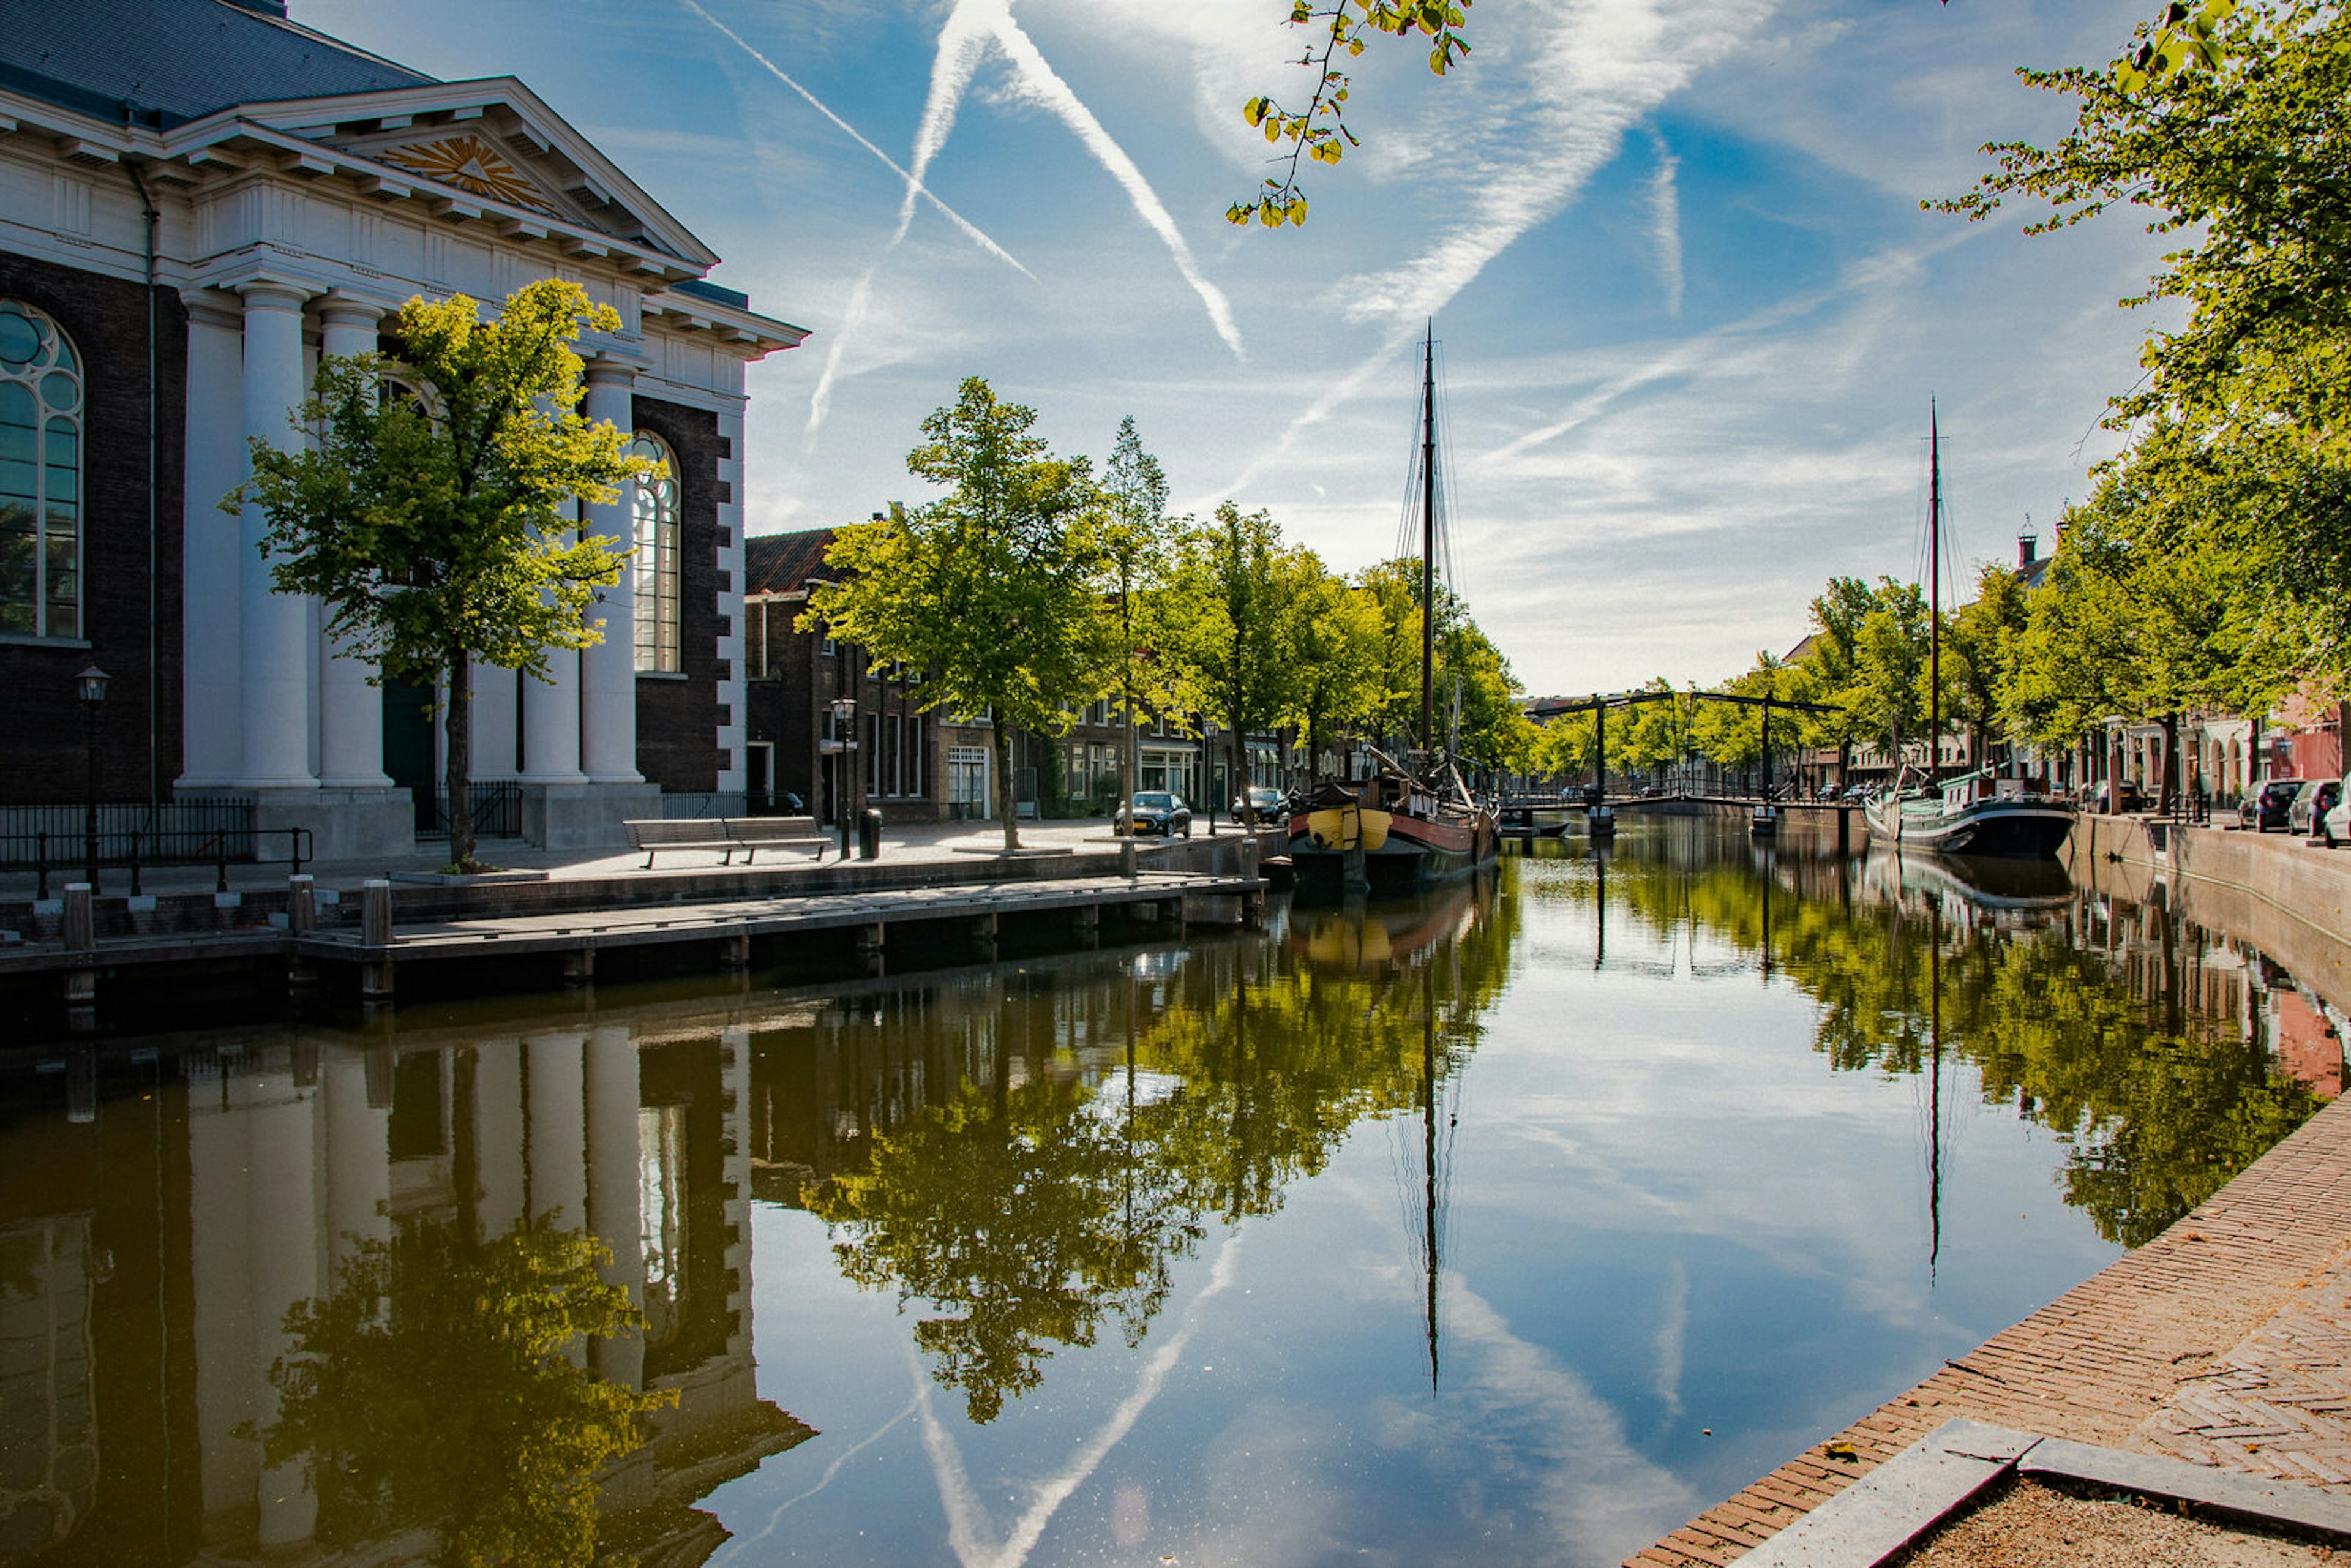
(2225,1340)
(934,842)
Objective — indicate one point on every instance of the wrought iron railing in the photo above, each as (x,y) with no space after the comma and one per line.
(493,805)
(166,832)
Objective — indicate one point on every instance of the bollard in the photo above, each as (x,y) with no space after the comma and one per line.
(134,865)
(1127,865)
(41,859)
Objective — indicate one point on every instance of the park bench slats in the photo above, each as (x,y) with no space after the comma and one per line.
(725,835)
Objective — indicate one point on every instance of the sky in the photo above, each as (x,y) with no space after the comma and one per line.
(1689,314)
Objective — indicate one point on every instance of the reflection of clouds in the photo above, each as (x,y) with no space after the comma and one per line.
(969,1526)
(1672,1330)
(832,1470)
(1527,1412)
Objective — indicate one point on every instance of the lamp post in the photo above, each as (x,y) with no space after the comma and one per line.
(844,768)
(91,684)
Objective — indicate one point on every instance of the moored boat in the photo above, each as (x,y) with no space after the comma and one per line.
(1975,815)
(1405,827)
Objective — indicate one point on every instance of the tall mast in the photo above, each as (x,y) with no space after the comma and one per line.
(1934,595)
(1428,538)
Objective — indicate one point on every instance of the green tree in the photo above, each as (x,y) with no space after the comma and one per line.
(1340,640)
(437,529)
(434,1389)
(1136,538)
(1828,674)
(989,591)
(1979,652)
(1248,596)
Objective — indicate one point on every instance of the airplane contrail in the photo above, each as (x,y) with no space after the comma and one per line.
(915,186)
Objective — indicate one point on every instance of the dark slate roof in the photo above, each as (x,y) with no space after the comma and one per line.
(169,61)
(703,288)
(783,563)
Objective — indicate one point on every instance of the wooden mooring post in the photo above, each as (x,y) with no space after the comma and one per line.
(80,931)
(301,916)
(375,941)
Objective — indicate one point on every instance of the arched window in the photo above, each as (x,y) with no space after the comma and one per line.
(655,563)
(41,477)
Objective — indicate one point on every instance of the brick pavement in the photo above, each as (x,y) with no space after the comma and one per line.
(2226,1340)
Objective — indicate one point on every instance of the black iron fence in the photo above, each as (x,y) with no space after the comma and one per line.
(492,806)
(170,833)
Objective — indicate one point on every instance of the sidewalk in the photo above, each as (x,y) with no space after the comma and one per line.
(940,841)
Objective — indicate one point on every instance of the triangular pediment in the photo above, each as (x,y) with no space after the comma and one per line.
(491,140)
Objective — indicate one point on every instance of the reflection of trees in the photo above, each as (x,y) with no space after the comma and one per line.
(1026,1217)
(433,1389)
(2161,1103)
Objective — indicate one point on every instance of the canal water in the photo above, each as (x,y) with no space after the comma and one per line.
(1517,1224)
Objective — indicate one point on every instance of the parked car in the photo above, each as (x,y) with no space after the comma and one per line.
(1160,811)
(2270,806)
(2311,804)
(1265,799)
(2334,822)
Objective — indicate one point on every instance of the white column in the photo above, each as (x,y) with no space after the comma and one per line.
(351,711)
(359,1158)
(608,675)
(550,722)
(492,711)
(274,647)
(613,1094)
(211,751)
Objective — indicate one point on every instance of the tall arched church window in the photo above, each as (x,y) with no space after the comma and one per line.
(41,477)
(655,563)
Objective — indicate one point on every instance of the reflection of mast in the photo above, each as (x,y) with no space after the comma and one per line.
(1600,868)
(1934,1088)
(1769,855)
(1428,1151)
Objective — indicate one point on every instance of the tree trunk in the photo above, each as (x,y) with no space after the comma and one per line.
(1239,782)
(458,731)
(1007,807)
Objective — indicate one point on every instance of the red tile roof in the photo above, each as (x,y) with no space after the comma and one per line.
(783,563)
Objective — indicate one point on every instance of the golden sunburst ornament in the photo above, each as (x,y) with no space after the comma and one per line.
(472,164)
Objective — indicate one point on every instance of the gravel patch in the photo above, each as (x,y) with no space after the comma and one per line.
(2034,1526)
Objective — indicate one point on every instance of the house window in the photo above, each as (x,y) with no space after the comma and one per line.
(41,477)
(967,782)
(653,500)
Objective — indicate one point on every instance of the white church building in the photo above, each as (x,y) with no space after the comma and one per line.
(198,198)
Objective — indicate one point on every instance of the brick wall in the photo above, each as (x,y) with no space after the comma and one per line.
(42,757)
(677,720)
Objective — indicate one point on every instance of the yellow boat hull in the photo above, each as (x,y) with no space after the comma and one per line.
(1342,827)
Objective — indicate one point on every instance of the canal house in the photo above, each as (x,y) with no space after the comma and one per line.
(198,199)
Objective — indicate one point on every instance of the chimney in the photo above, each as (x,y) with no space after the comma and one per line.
(2028,547)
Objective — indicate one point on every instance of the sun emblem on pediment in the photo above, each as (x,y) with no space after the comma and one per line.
(470,164)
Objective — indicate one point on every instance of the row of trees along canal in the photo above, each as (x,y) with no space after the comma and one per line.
(1032,586)
(427,499)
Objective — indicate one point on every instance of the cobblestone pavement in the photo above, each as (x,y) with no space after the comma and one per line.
(2225,1340)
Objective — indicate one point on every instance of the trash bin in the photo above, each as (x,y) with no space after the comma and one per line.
(869,834)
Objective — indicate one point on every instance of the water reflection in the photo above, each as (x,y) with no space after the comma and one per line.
(1022,1159)
(427,1293)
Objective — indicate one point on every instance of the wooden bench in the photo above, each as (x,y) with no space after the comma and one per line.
(752,834)
(654,836)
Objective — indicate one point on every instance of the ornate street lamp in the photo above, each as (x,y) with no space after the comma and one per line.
(91,684)
(844,767)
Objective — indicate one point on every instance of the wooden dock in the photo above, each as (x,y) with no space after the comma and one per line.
(725,929)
